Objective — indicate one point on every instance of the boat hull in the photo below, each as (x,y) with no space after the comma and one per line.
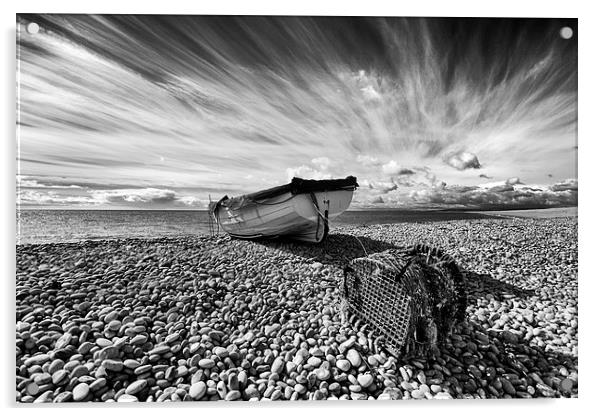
(300,217)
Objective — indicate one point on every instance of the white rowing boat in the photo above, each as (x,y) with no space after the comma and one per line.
(299,210)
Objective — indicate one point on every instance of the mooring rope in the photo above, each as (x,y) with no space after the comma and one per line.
(363,248)
(315,202)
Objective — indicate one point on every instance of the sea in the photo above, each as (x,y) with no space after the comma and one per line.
(56,226)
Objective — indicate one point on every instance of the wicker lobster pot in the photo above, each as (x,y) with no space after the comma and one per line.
(410,298)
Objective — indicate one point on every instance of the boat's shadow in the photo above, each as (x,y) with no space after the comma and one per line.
(339,249)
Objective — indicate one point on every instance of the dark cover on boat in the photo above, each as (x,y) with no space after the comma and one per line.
(304,186)
(297,186)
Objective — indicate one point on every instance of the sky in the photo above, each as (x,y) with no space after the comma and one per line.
(159,112)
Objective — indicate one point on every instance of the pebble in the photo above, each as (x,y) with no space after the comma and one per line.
(63,397)
(131,364)
(277,365)
(390,393)
(127,398)
(206,363)
(98,384)
(113,365)
(198,390)
(252,392)
(343,365)
(136,387)
(159,350)
(242,378)
(55,366)
(63,340)
(566,386)
(45,397)
(354,358)
(59,377)
(314,361)
(143,369)
(233,395)
(300,388)
(80,392)
(138,339)
(507,386)
(359,396)
(114,326)
(37,360)
(322,374)
(80,370)
(221,352)
(85,348)
(365,380)
(319,395)
(103,342)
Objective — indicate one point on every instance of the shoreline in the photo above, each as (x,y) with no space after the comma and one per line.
(570,212)
(212,318)
(551,214)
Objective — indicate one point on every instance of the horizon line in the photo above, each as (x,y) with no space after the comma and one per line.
(508,208)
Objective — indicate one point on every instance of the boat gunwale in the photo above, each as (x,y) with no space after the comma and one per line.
(297,186)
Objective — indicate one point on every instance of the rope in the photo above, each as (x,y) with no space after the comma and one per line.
(216,215)
(363,248)
(320,215)
(315,202)
(210,223)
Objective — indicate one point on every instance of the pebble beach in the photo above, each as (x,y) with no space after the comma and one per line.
(213,318)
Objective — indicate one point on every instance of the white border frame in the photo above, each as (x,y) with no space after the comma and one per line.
(589,150)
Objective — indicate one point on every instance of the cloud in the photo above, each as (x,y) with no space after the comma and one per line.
(463,160)
(393,168)
(423,193)
(383,187)
(190,201)
(306,172)
(323,163)
(505,186)
(566,185)
(501,188)
(393,187)
(482,175)
(320,169)
(26,182)
(370,94)
(430,177)
(499,196)
(29,197)
(368,85)
(367,161)
(134,197)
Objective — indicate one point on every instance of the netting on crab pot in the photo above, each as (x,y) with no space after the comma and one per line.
(410,298)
